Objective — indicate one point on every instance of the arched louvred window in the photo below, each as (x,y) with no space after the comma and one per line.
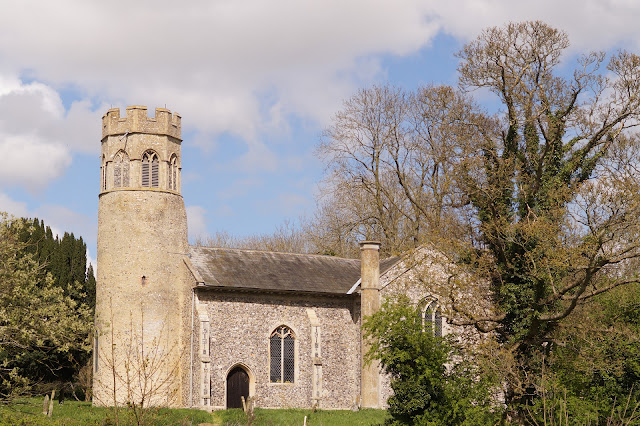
(432,318)
(173,173)
(121,170)
(150,167)
(282,355)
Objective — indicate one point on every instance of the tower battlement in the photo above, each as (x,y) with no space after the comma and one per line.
(137,121)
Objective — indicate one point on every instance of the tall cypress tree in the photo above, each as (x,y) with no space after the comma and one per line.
(66,260)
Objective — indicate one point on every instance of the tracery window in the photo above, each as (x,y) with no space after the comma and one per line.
(150,167)
(432,318)
(121,170)
(282,355)
(173,172)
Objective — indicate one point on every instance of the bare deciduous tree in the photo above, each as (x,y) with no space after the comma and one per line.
(390,156)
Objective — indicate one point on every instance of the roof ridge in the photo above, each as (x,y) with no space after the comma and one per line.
(324,256)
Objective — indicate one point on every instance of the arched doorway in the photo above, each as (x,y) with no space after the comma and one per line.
(237,386)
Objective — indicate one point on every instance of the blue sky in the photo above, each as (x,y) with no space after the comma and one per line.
(255,81)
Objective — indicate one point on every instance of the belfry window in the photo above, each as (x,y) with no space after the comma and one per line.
(282,355)
(173,173)
(121,170)
(432,318)
(150,167)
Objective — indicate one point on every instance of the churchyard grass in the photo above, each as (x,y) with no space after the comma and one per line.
(295,417)
(28,412)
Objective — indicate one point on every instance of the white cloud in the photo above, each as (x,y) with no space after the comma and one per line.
(14,208)
(196,222)
(243,68)
(212,61)
(37,136)
(31,162)
(591,24)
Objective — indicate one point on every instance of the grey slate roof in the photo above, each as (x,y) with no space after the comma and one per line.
(273,271)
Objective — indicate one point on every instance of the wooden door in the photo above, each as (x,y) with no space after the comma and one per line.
(237,386)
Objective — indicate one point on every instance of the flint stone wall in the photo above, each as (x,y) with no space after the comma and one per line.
(240,327)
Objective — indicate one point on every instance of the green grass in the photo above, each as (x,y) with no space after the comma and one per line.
(28,412)
(285,417)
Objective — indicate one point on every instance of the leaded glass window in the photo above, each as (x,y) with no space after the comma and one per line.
(121,170)
(282,355)
(432,319)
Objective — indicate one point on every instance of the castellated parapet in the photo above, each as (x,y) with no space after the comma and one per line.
(140,152)
(137,121)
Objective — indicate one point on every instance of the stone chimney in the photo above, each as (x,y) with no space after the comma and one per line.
(369,304)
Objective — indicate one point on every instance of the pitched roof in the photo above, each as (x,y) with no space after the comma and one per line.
(274,271)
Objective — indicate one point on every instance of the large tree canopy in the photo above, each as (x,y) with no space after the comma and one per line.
(540,200)
(41,327)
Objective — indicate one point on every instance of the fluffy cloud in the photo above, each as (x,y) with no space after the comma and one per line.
(31,162)
(244,67)
(213,60)
(196,222)
(591,24)
(37,135)
(14,208)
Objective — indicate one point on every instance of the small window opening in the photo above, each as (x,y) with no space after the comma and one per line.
(173,173)
(104,174)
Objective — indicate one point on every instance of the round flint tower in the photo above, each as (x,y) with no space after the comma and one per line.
(142,238)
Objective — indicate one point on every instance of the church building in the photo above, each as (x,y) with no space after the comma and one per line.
(186,326)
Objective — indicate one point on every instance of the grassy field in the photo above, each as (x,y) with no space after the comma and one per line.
(295,417)
(28,412)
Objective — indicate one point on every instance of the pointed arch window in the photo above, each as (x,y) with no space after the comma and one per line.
(282,355)
(121,170)
(432,318)
(173,173)
(150,165)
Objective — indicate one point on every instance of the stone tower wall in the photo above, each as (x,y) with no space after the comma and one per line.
(141,289)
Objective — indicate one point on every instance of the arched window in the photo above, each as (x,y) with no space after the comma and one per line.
(150,169)
(432,318)
(173,173)
(282,355)
(121,170)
